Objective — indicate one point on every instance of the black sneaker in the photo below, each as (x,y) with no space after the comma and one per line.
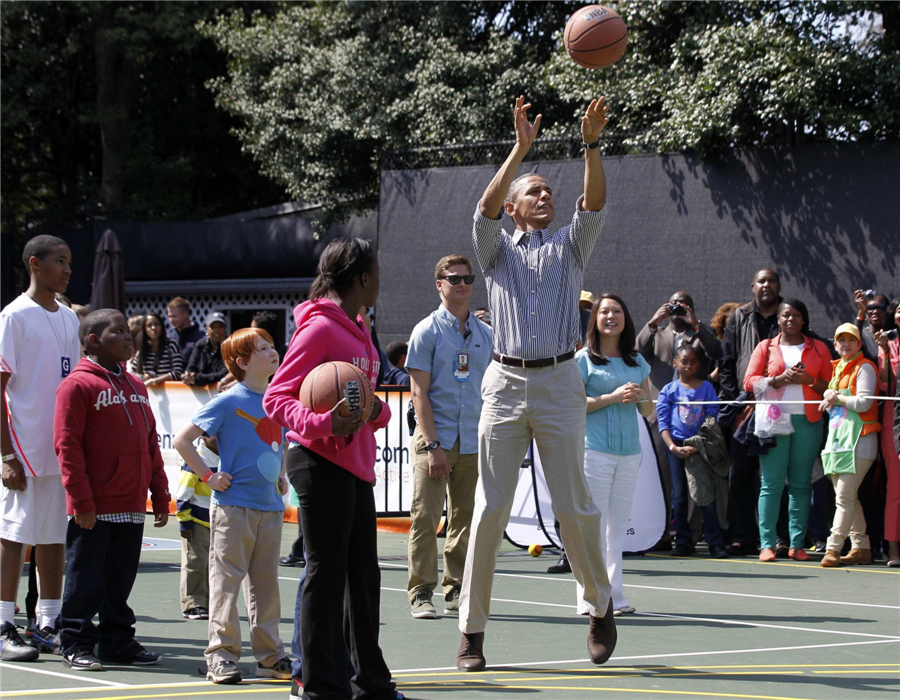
(46,641)
(296,688)
(82,660)
(291,560)
(560,567)
(197,613)
(32,626)
(680,550)
(136,656)
(13,647)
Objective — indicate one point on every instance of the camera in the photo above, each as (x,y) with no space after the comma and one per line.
(676,310)
(870,294)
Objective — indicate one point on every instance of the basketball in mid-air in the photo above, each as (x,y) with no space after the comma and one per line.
(595,36)
(332,381)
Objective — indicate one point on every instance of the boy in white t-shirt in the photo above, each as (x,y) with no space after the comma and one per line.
(38,347)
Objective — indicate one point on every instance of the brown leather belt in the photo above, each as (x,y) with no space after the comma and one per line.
(531,364)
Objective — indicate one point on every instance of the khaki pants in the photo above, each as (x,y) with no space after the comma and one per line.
(548,403)
(425,514)
(244,545)
(195,569)
(849,518)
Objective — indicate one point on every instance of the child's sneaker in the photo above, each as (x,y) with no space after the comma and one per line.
(225,672)
(13,647)
(281,669)
(197,613)
(46,640)
(136,655)
(32,626)
(296,688)
(82,660)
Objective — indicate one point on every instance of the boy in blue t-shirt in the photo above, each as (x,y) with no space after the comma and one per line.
(677,422)
(246,511)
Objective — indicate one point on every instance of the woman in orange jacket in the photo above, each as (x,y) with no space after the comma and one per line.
(799,366)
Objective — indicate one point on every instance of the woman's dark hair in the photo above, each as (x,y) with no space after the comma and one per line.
(143,344)
(342,261)
(626,340)
(801,307)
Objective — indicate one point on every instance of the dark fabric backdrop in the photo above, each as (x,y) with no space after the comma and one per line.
(826,218)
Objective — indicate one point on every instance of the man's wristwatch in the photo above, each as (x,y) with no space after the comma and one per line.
(595,144)
(432,446)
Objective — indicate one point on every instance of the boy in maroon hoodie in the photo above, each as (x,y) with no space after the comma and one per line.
(105,438)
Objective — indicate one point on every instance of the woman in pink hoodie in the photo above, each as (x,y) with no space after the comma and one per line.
(330,464)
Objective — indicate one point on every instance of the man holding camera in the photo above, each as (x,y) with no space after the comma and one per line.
(658,343)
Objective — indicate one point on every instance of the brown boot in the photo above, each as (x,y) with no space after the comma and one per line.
(857,556)
(832,558)
(602,636)
(470,656)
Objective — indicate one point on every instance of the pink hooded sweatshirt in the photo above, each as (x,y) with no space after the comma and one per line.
(324,334)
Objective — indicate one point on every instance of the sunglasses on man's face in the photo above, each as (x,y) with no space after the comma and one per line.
(874,307)
(456,279)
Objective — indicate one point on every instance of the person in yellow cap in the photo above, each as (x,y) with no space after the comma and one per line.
(852,444)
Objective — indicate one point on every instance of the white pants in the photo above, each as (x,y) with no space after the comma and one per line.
(612,480)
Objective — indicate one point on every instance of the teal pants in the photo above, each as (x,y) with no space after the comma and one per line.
(791,458)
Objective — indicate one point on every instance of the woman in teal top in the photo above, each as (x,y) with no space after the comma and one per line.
(617,388)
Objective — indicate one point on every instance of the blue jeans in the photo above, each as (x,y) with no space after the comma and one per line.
(712,532)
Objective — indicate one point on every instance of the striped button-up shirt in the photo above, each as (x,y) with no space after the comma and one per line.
(534,282)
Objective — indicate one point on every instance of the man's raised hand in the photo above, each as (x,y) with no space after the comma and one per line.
(525,132)
(594,120)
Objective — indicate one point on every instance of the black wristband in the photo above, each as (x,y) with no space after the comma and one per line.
(596,144)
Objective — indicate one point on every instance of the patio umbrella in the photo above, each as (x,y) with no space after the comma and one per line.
(109,274)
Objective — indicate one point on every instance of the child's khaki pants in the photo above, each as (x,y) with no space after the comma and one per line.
(244,545)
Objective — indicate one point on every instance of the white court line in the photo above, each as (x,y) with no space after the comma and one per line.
(741,623)
(682,617)
(693,590)
(697,590)
(582,660)
(22,667)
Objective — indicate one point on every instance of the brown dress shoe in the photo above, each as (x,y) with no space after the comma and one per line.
(602,637)
(832,558)
(858,556)
(470,656)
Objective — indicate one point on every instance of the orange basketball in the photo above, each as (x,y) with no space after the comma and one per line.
(332,381)
(595,37)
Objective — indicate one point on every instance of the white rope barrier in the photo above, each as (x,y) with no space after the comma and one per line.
(753,403)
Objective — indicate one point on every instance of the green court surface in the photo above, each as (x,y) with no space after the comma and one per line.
(732,628)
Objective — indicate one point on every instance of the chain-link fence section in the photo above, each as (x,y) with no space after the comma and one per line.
(495,152)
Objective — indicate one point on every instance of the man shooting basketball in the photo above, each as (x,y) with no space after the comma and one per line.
(533,388)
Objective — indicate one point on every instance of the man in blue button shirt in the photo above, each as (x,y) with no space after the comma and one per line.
(449,352)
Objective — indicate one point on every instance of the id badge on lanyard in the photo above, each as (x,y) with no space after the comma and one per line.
(461,365)
(65,366)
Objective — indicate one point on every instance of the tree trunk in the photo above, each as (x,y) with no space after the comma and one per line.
(116,83)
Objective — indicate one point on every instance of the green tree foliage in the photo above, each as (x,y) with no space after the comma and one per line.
(321,88)
(707,76)
(94,87)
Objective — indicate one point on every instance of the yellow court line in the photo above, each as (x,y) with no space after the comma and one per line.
(748,560)
(217,691)
(860,671)
(653,676)
(148,686)
(637,690)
